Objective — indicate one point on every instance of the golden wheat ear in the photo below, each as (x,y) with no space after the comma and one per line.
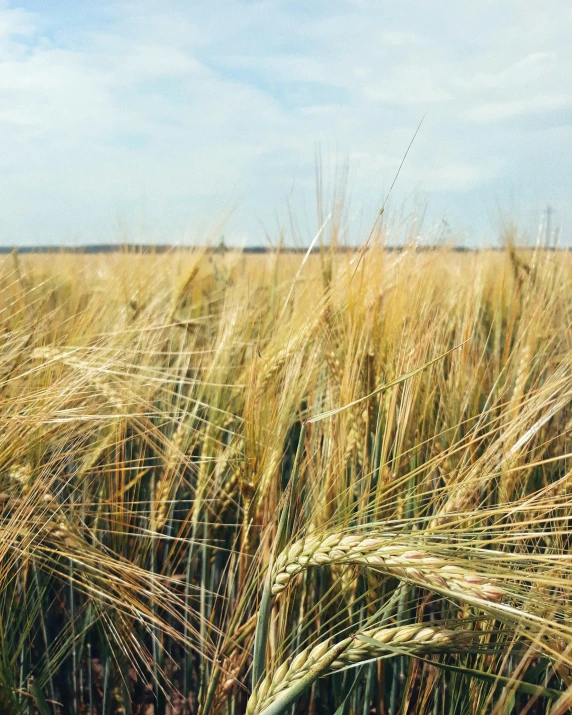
(378,552)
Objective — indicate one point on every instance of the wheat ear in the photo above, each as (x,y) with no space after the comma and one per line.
(414,639)
(420,567)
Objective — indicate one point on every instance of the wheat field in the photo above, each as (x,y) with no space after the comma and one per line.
(263,484)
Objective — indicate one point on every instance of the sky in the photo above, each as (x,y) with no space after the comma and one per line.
(183,121)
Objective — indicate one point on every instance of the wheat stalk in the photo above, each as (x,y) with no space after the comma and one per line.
(420,567)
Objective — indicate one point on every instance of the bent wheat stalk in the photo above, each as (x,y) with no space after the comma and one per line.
(419,567)
(414,639)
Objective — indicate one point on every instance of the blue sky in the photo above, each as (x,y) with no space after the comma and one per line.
(159,121)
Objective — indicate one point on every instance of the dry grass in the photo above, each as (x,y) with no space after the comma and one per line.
(171,521)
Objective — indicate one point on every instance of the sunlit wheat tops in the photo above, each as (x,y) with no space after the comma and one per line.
(331,482)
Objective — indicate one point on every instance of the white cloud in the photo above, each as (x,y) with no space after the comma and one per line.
(522,72)
(411,85)
(501,110)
